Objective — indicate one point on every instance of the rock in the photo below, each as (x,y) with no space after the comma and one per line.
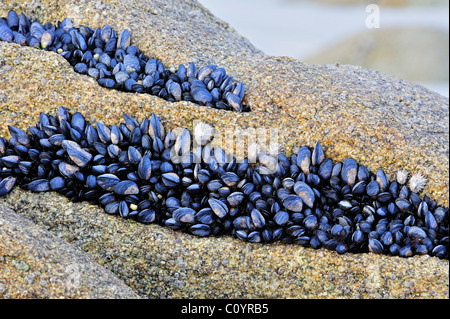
(380,121)
(412,53)
(37,264)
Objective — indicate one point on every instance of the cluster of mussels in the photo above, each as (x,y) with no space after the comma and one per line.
(140,172)
(114,63)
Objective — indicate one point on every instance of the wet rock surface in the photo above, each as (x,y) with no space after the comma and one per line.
(380,121)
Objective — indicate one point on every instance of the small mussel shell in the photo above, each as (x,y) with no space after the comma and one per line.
(13,19)
(205,216)
(318,155)
(439,251)
(214,185)
(359,187)
(116,135)
(406,251)
(170,179)
(201,230)
(325,169)
(234,101)
(218,207)
(281,218)
(10,161)
(104,133)
(293,203)
(124,209)
(184,215)
(311,222)
(134,156)
(382,211)
(126,187)
(230,179)
(91,181)
(254,237)
(338,231)
(146,216)
(81,68)
(19,135)
(131,63)
(394,249)
(67,24)
(33,41)
(375,246)
(288,183)
(57,183)
(416,233)
(63,114)
(372,189)
(235,199)
(67,170)
(349,171)
(6,34)
(384,197)
(304,159)
(241,234)
(387,239)
(439,214)
(39,185)
(107,82)
(421,250)
(358,236)
(107,181)
(382,180)
(112,208)
(403,204)
(121,77)
(341,248)
(78,155)
(363,174)
(124,40)
(268,162)
(2,146)
(257,219)
(7,184)
(430,221)
(173,224)
(305,193)
(241,222)
(145,168)
(47,38)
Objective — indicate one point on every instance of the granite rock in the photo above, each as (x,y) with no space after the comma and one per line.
(35,263)
(381,121)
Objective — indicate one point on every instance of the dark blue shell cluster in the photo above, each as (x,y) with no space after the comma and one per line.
(115,63)
(141,172)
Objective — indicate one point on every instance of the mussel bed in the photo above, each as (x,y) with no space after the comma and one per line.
(139,171)
(116,64)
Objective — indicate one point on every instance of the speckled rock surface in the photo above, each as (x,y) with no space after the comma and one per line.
(380,121)
(36,263)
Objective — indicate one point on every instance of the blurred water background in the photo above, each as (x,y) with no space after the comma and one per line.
(412,41)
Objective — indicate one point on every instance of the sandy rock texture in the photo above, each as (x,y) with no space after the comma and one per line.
(381,121)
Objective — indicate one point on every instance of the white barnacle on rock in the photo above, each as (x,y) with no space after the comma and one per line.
(417,182)
(402,176)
